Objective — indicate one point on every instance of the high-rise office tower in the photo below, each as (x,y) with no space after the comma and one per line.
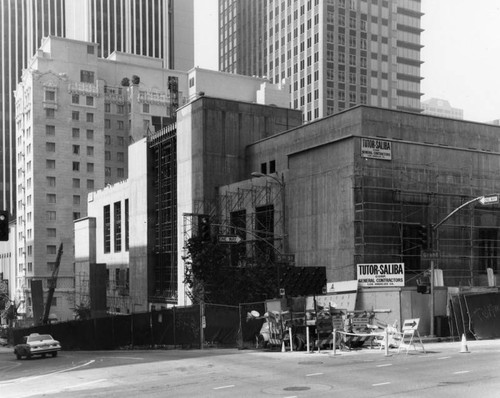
(158,28)
(154,28)
(23,23)
(336,53)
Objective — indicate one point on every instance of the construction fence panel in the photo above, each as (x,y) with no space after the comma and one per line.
(187,326)
(222,324)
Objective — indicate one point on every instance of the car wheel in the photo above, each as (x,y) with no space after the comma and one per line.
(54,354)
(28,356)
(19,356)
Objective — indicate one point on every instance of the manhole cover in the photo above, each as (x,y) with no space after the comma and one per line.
(296,388)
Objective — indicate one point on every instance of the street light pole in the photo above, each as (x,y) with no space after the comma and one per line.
(484,200)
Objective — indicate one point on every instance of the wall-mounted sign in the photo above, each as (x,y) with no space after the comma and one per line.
(381,275)
(376,149)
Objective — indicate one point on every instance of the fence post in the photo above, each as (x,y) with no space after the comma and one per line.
(202,316)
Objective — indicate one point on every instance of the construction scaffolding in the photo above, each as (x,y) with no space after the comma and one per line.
(253,214)
(163,219)
(394,203)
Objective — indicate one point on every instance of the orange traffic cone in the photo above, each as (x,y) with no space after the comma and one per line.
(464,348)
(283,349)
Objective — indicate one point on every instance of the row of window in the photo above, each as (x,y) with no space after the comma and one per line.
(117,226)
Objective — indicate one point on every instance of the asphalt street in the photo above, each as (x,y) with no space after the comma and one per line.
(443,371)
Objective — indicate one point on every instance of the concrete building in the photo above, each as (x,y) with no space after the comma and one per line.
(171,177)
(336,53)
(361,188)
(151,28)
(75,117)
(154,28)
(442,108)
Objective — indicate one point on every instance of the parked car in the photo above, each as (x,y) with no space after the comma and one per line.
(37,344)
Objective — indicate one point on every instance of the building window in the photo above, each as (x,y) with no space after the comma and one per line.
(76,215)
(90,167)
(90,184)
(76,166)
(50,146)
(107,107)
(86,76)
(89,101)
(272,166)
(90,135)
(107,123)
(120,156)
(76,200)
(120,109)
(90,49)
(76,183)
(51,181)
(90,118)
(145,108)
(51,232)
(51,215)
(107,171)
(90,151)
(51,198)
(75,115)
(118,226)
(107,229)
(120,125)
(107,155)
(50,113)
(120,172)
(51,249)
(76,149)
(50,164)
(75,99)
(50,95)
(75,133)
(50,130)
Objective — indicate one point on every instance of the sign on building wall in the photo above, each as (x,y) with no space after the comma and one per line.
(381,275)
(376,149)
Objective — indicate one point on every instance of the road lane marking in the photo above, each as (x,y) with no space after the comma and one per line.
(24,379)
(381,384)
(314,374)
(461,372)
(385,364)
(443,357)
(222,387)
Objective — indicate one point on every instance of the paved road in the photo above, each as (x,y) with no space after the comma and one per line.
(442,372)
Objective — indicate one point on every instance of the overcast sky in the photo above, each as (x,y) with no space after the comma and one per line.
(461,52)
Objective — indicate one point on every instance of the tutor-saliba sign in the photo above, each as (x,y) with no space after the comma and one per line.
(381,275)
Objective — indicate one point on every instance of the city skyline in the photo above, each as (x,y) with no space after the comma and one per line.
(446,74)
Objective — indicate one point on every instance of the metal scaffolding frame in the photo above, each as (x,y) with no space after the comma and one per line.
(392,203)
(163,219)
(261,228)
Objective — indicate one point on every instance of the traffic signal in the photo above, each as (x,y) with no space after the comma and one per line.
(423,234)
(204,227)
(4,225)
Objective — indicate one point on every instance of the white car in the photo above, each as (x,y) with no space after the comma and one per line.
(37,344)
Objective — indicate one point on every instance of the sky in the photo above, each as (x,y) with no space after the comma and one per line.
(461,52)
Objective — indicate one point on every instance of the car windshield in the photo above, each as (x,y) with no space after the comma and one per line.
(40,337)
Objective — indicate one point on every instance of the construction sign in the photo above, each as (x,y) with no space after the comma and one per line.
(381,275)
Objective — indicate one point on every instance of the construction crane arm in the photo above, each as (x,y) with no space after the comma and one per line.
(52,282)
